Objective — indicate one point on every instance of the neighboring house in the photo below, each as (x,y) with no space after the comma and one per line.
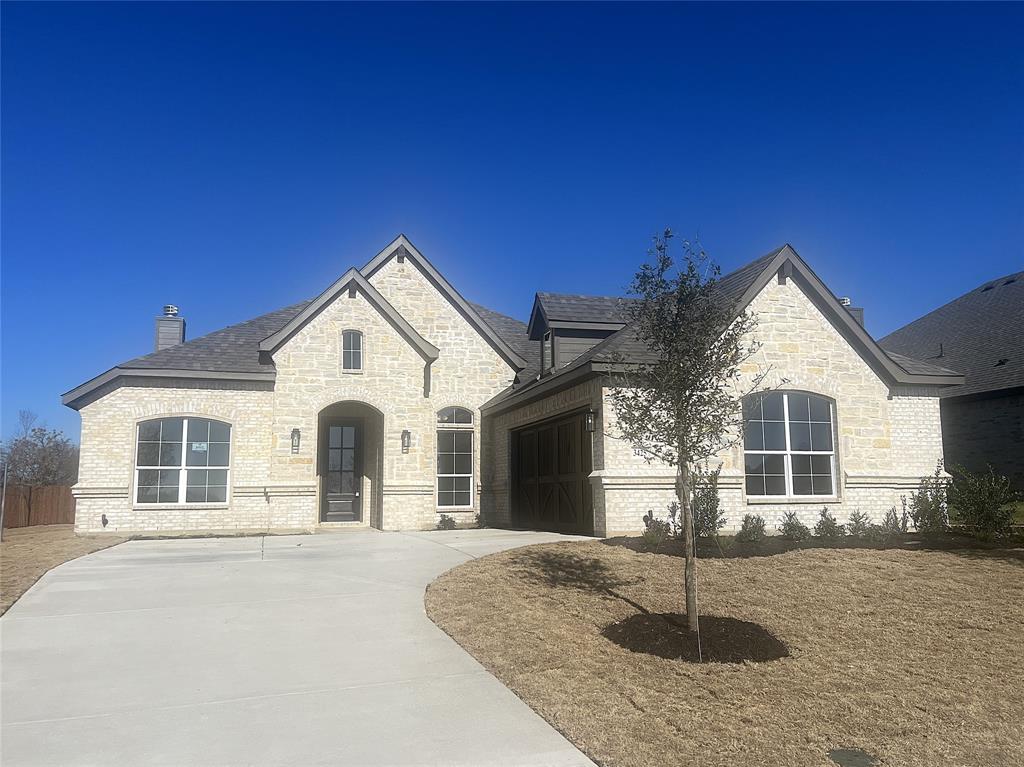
(389,400)
(981,333)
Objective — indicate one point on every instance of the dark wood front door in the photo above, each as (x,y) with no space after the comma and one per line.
(551,488)
(341,448)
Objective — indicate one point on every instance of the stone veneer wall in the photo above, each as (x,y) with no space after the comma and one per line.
(271,487)
(887,438)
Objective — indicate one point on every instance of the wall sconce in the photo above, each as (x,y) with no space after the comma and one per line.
(406,440)
(590,421)
(296,436)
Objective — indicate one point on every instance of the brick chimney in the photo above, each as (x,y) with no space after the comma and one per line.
(170,328)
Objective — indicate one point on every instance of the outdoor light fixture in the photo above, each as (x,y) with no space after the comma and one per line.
(406,440)
(295,440)
(590,420)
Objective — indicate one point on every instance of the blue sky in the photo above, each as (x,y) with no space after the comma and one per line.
(237,158)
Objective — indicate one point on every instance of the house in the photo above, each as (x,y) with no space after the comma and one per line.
(981,333)
(389,400)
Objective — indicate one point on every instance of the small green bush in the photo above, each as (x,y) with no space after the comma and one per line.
(446,523)
(656,531)
(859,524)
(792,529)
(984,500)
(894,522)
(928,509)
(828,526)
(752,529)
(708,517)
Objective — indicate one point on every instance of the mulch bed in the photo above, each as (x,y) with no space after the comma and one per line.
(911,657)
(28,552)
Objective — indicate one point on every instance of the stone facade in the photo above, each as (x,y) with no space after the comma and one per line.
(886,438)
(272,488)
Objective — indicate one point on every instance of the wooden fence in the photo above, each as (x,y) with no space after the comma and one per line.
(52,505)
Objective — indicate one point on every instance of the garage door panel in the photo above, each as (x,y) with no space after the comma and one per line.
(551,486)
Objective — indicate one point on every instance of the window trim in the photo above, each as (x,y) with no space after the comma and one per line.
(788,453)
(547,351)
(455,427)
(362,351)
(182,468)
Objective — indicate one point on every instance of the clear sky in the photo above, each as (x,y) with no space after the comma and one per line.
(235,158)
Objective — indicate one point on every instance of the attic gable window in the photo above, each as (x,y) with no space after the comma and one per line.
(352,351)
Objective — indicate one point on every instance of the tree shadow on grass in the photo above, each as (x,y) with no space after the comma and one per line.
(723,639)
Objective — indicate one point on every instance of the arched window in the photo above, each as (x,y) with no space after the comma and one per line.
(455,458)
(182,460)
(789,445)
(351,350)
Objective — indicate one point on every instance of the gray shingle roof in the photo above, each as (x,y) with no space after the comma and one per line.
(575,308)
(974,332)
(512,332)
(234,349)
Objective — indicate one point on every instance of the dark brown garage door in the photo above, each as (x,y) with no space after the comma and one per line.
(551,464)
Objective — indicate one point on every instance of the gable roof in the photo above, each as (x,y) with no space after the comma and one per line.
(353,281)
(401,248)
(567,310)
(238,352)
(738,288)
(972,333)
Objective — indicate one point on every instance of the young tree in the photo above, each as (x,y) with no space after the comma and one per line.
(683,405)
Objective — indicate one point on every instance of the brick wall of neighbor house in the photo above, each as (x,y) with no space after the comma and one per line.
(887,439)
(497,442)
(982,432)
(271,487)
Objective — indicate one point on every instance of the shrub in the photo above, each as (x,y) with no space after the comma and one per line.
(828,526)
(793,529)
(859,524)
(752,529)
(928,504)
(446,523)
(656,531)
(983,501)
(708,516)
(894,523)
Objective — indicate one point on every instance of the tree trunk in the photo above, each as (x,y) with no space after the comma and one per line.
(683,479)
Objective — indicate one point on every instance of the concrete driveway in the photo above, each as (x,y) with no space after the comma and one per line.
(289,650)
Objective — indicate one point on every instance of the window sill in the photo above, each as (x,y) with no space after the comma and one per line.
(770,500)
(460,509)
(351,372)
(184,506)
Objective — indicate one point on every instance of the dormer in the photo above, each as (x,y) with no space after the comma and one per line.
(566,326)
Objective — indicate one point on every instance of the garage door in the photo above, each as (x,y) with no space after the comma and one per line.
(551,464)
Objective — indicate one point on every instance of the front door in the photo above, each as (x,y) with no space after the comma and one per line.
(341,447)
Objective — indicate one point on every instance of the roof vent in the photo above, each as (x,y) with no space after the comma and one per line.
(845,301)
(1010,281)
(1002,361)
(987,287)
(170,310)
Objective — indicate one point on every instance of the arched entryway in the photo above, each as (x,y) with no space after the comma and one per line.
(350,460)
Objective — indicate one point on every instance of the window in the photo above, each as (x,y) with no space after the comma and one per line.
(455,458)
(547,352)
(788,445)
(351,350)
(182,460)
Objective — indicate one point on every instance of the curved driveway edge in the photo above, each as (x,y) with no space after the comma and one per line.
(293,650)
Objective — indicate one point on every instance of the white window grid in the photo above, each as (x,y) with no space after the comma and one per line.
(181,467)
(463,428)
(788,453)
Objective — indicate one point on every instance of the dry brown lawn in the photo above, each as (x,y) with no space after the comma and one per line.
(28,552)
(916,657)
